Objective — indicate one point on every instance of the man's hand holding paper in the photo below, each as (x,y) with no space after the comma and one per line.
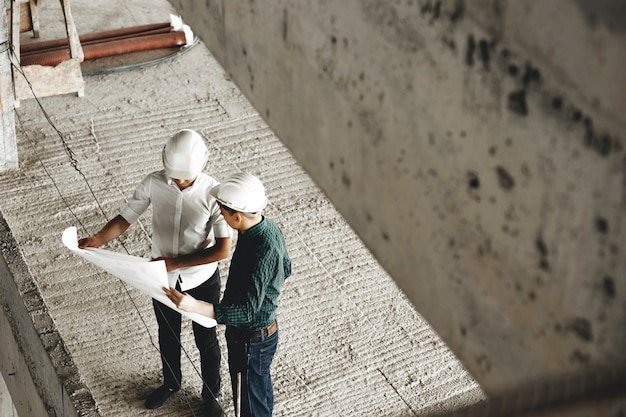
(147,276)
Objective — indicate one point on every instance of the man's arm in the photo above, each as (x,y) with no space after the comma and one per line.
(187,303)
(217,252)
(114,228)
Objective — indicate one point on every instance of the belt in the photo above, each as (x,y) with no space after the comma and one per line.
(268,331)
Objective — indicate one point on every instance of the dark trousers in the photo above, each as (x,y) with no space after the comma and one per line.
(169,322)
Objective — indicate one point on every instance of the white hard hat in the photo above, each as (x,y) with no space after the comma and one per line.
(241,192)
(185,155)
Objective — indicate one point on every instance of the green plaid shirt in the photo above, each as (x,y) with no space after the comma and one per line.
(258,269)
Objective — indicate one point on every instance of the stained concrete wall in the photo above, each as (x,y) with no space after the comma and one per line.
(477,148)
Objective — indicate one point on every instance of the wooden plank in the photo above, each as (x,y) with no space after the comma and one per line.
(72,33)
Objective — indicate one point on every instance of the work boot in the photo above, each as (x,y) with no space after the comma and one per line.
(159,396)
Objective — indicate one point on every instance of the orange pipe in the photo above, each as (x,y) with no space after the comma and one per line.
(54,47)
(143,43)
(56,43)
(109,48)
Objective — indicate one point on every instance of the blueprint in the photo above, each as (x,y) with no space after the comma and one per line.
(147,276)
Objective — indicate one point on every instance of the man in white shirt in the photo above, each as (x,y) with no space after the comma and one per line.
(190,234)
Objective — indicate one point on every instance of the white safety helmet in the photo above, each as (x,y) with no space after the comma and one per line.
(185,155)
(242,192)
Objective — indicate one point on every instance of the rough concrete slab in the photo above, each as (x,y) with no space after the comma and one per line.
(351,343)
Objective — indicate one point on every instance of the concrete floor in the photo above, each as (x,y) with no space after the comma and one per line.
(351,343)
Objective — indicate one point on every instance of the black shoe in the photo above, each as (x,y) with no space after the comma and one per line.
(213,409)
(159,396)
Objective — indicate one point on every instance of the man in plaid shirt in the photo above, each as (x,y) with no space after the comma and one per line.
(259,267)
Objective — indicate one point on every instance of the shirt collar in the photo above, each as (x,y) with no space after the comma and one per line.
(169,181)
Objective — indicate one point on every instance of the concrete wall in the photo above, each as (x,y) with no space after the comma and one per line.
(39,372)
(476,147)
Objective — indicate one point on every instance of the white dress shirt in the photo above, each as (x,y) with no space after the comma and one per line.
(183,222)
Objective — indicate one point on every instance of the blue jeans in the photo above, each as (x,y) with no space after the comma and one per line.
(250,360)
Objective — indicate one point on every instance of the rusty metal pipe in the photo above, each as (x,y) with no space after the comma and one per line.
(96,37)
(59,46)
(109,48)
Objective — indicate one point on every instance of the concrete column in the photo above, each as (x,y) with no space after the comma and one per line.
(8,141)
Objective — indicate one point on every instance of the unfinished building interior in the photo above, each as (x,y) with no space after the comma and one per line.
(451,176)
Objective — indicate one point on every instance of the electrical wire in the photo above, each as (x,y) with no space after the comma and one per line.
(133,67)
(74,163)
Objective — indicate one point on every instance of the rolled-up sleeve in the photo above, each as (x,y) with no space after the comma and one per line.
(138,203)
(222,229)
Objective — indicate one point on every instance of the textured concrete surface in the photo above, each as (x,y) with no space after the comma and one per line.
(351,343)
(476,147)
